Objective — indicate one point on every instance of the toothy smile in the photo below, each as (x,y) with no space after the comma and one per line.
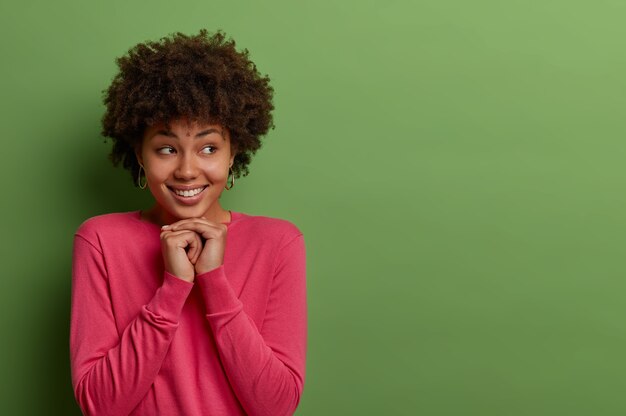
(188,193)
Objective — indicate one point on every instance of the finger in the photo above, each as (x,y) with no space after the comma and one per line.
(180,239)
(182,224)
(206,229)
(188,240)
(175,246)
(193,219)
(195,249)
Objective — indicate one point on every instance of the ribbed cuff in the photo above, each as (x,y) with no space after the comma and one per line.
(218,295)
(170,298)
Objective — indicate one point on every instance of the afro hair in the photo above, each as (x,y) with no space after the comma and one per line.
(198,78)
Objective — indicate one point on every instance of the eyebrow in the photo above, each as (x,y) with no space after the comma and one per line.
(169,133)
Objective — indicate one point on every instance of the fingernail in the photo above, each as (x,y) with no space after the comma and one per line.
(165,227)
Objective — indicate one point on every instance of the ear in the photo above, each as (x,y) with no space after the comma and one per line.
(233,152)
(138,154)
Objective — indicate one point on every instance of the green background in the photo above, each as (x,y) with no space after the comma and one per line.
(456,168)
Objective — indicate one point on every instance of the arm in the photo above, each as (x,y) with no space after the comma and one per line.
(265,366)
(112,371)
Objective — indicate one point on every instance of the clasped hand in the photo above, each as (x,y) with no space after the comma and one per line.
(192,246)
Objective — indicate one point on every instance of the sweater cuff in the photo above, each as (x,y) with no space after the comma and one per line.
(217,293)
(170,298)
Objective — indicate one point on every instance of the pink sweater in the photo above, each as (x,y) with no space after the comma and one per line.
(144,342)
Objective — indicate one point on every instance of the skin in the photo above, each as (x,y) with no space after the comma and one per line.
(188,156)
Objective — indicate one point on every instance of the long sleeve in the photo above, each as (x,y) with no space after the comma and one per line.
(265,366)
(112,370)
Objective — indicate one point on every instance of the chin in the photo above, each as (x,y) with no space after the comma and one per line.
(173,214)
(188,213)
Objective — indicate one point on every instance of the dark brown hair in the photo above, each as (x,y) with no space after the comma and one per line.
(199,78)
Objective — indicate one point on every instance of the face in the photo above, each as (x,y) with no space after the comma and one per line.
(186,167)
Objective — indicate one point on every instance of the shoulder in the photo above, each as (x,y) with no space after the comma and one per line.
(275,229)
(114,225)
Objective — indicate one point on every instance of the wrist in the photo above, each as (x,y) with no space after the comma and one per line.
(187,277)
(206,269)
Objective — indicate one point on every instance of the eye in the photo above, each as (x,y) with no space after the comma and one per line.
(166,150)
(207,150)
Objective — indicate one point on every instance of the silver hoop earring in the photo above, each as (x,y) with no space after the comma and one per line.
(231,179)
(145,182)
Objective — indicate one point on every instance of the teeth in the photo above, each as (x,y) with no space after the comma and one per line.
(188,193)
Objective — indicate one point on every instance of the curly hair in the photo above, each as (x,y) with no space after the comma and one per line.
(199,78)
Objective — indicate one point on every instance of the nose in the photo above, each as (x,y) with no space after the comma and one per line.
(187,168)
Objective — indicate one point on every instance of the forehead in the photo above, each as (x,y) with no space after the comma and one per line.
(185,128)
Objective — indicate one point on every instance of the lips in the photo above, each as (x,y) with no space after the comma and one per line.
(187,192)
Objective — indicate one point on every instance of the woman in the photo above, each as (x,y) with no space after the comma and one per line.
(187,308)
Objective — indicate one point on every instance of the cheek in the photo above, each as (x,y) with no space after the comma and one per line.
(217,172)
(156,169)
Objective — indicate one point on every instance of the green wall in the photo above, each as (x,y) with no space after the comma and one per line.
(457,168)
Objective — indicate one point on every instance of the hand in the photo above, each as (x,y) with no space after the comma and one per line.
(214,237)
(180,250)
